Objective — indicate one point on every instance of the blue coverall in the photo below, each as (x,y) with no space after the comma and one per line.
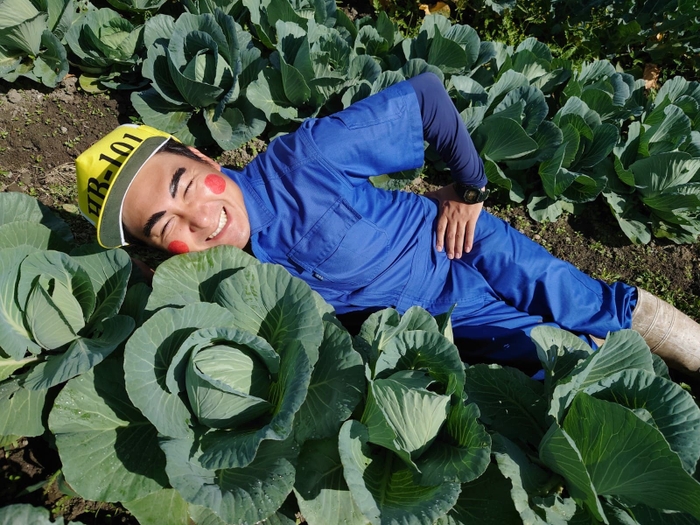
(313,210)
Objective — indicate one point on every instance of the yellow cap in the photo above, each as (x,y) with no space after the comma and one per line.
(106,170)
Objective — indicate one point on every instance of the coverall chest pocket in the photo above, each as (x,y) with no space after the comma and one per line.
(342,247)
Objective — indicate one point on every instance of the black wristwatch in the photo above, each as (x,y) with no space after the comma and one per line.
(471,194)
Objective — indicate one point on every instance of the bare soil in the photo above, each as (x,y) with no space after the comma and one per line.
(42,131)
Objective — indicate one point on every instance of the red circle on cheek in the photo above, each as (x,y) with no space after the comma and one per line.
(178,247)
(215,183)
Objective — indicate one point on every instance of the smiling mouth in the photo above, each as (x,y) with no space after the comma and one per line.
(223,219)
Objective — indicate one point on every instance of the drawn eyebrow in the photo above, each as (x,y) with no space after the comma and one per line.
(153,219)
(175,182)
(152,222)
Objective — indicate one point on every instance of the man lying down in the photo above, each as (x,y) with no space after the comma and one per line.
(306,203)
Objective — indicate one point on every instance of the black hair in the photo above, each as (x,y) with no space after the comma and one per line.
(178,148)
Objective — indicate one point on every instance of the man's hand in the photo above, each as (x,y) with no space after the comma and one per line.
(456,222)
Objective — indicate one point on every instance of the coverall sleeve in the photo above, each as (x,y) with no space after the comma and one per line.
(444,129)
(380,134)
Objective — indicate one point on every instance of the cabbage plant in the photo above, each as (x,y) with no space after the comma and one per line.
(198,66)
(107,46)
(30,39)
(416,440)
(655,185)
(59,312)
(238,365)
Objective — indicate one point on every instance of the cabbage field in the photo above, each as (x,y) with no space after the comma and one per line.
(225,391)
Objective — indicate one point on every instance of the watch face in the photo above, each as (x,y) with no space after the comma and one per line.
(471,195)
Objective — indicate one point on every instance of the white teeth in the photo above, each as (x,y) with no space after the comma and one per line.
(222,222)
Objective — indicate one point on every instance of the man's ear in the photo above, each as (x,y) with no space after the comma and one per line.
(206,159)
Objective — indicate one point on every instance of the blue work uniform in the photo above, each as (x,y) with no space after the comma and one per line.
(313,210)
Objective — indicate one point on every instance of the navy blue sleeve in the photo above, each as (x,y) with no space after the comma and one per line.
(444,130)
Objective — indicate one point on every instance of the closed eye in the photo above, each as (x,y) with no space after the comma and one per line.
(187,188)
(165,227)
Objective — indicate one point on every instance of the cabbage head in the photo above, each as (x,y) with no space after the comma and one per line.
(30,39)
(59,312)
(238,365)
(107,46)
(197,66)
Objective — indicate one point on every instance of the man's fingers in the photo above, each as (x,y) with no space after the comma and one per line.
(440,232)
(469,236)
(454,239)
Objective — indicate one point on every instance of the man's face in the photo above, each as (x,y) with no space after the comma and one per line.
(182,205)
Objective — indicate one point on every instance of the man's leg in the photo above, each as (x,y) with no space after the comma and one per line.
(529,278)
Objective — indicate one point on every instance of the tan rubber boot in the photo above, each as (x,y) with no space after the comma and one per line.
(670,334)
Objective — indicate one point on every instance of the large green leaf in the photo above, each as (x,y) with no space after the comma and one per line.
(382,486)
(337,386)
(230,130)
(535,110)
(160,113)
(26,233)
(15,339)
(484,501)
(83,354)
(423,350)
(530,482)
(382,326)
(627,457)
(14,12)
(321,491)
(671,204)
(109,271)
(45,319)
(267,301)
(402,415)
(21,410)
(502,139)
(666,135)
(51,66)
(147,357)
(9,366)
(237,495)
(509,401)
(76,286)
(17,513)
(605,137)
(559,352)
(461,453)
(555,178)
(24,37)
(194,277)
(621,350)
(632,222)
(109,451)
(15,206)
(163,507)
(559,452)
(203,79)
(267,94)
(295,86)
(447,54)
(673,410)
(663,171)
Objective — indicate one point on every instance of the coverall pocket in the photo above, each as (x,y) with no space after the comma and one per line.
(342,248)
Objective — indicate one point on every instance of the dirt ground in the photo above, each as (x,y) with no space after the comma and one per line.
(42,131)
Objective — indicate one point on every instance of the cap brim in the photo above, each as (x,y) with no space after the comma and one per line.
(110,233)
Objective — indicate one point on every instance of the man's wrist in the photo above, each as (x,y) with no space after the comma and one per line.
(471,194)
